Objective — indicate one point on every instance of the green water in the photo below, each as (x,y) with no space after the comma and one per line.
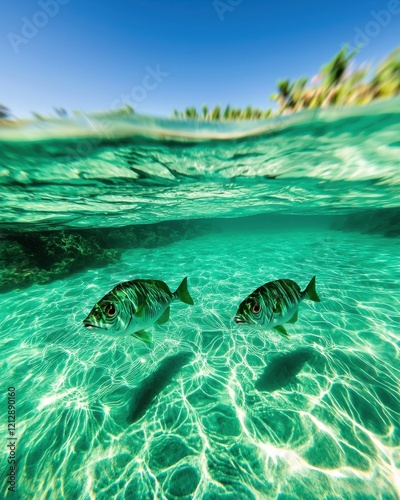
(214,410)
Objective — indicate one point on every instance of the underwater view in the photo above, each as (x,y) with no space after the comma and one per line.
(249,380)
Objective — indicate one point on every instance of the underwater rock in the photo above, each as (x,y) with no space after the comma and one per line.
(32,257)
(151,235)
(385,222)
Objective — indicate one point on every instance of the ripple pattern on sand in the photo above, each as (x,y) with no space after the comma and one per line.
(331,430)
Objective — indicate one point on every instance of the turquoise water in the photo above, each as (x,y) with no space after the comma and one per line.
(214,410)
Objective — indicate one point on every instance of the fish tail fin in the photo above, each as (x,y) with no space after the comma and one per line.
(310,292)
(182,293)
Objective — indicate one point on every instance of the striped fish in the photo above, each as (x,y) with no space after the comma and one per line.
(132,306)
(273,304)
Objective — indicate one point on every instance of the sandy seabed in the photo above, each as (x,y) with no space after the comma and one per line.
(214,410)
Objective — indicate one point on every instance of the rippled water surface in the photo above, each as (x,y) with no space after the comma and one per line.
(214,410)
(64,173)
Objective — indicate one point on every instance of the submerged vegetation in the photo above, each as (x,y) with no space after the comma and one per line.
(28,258)
(339,83)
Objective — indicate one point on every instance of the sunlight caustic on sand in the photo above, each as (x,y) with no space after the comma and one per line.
(332,430)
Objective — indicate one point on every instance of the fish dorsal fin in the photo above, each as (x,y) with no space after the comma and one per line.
(294,318)
(146,337)
(164,317)
(281,330)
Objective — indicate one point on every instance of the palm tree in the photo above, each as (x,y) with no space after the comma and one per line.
(38,116)
(246,113)
(234,113)
(216,113)
(227,112)
(298,92)
(352,90)
(284,95)
(4,112)
(336,68)
(338,83)
(386,81)
(191,113)
(61,112)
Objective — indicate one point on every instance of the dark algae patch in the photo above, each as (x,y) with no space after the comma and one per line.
(32,257)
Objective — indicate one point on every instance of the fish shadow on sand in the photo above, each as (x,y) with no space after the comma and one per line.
(144,395)
(282,370)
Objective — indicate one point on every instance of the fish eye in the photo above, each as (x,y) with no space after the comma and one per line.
(256,307)
(110,310)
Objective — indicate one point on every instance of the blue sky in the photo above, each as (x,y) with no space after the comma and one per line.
(93,55)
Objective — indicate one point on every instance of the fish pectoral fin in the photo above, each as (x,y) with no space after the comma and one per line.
(164,317)
(146,337)
(281,330)
(295,317)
